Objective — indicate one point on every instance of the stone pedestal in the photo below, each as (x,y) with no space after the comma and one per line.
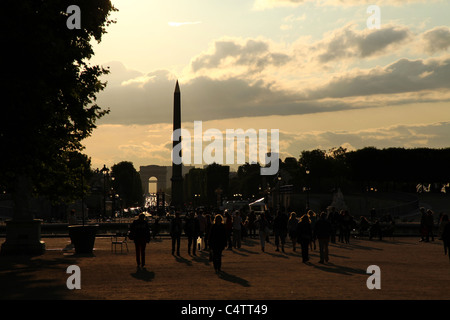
(23,237)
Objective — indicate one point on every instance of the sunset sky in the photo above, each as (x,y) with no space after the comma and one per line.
(312,69)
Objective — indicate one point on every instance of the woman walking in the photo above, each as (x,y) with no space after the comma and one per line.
(217,242)
(292,229)
(304,236)
(312,218)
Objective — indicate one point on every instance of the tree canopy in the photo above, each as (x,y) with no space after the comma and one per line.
(127,183)
(49,91)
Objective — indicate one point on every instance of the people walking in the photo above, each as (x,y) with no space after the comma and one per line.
(176,227)
(140,234)
(333,217)
(202,229)
(423,225)
(313,218)
(445,234)
(251,224)
(207,230)
(304,234)
(292,229)
(375,230)
(280,230)
(322,231)
(263,230)
(269,220)
(429,220)
(237,229)
(229,229)
(347,225)
(217,242)
(192,229)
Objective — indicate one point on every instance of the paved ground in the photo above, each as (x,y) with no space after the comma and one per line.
(410,270)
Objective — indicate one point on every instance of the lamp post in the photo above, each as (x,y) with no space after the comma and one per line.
(82,193)
(307,189)
(104,171)
(267,196)
(114,196)
(196,200)
(279,192)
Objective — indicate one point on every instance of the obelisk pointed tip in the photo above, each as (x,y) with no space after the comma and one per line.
(177,87)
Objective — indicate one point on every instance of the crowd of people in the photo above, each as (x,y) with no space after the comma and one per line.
(216,232)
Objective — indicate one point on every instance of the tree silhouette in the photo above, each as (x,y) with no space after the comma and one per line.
(49,91)
(127,183)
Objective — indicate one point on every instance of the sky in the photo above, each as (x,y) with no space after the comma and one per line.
(318,71)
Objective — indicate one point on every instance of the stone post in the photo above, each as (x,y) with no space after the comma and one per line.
(23,232)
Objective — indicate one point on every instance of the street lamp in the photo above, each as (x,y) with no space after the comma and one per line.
(307,189)
(279,192)
(196,199)
(82,193)
(104,171)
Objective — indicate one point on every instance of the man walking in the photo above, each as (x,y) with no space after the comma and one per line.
(323,231)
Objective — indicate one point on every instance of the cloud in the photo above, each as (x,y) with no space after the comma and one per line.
(180,24)
(136,143)
(347,42)
(270,4)
(239,77)
(251,55)
(437,39)
(402,76)
(141,144)
(290,20)
(145,99)
(204,98)
(119,73)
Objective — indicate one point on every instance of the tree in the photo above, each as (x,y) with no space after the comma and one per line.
(319,166)
(127,183)
(250,179)
(48,91)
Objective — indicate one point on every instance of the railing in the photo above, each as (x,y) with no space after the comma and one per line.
(399,210)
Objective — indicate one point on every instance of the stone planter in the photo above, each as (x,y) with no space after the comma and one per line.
(83,237)
(23,237)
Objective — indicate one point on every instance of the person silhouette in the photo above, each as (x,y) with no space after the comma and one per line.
(263,230)
(192,231)
(140,234)
(322,231)
(217,241)
(304,234)
(445,235)
(176,227)
(280,230)
(292,229)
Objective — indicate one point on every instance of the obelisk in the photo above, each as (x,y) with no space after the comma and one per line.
(177,177)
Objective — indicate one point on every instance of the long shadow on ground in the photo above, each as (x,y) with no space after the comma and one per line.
(331,267)
(25,277)
(235,279)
